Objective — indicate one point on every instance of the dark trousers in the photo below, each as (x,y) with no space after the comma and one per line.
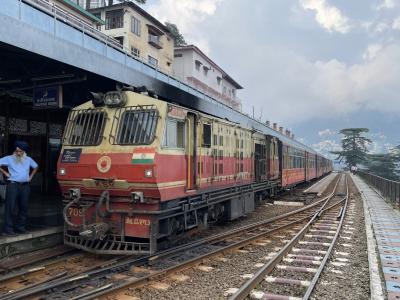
(17,196)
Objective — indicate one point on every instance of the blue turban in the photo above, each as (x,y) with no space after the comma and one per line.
(21,145)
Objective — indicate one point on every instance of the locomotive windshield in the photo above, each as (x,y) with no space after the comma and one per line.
(137,126)
(85,127)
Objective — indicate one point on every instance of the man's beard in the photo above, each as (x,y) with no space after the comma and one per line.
(20,159)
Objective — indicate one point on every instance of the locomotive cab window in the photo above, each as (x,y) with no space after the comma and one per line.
(174,136)
(85,128)
(137,127)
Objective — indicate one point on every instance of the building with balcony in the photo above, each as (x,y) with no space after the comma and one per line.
(193,66)
(139,33)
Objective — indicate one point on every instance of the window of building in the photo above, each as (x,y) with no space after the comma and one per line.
(114,19)
(178,55)
(174,136)
(205,70)
(197,64)
(219,79)
(135,51)
(135,26)
(224,90)
(153,61)
(120,39)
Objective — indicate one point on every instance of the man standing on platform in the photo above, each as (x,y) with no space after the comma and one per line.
(18,176)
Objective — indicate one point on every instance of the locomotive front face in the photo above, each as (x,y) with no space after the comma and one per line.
(107,172)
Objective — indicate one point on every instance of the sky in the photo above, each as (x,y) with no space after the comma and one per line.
(312,66)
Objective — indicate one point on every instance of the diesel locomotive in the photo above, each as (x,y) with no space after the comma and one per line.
(137,172)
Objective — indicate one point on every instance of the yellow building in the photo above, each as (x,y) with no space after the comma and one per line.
(139,33)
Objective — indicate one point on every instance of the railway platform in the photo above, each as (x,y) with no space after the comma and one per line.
(320,186)
(382,222)
(44,227)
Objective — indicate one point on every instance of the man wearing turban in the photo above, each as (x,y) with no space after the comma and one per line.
(18,176)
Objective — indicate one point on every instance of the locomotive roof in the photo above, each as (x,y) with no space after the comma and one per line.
(263,128)
(243,120)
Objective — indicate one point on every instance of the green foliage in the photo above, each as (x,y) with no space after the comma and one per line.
(354,146)
(179,40)
(111,2)
(384,165)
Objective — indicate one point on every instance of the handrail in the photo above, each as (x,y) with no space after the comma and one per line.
(389,189)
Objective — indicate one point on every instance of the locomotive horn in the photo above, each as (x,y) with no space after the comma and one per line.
(97,98)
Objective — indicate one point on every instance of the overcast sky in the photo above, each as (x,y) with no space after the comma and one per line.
(313,66)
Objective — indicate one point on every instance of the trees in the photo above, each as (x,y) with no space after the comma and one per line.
(179,40)
(354,146)
(384,165)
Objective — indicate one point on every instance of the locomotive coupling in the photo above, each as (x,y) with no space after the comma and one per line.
(96,231)
(74,193)
(137,197)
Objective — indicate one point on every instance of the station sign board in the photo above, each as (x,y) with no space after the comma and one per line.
(47,97)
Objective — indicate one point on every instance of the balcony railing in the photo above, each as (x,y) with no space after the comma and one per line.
(155,41)
(389,189)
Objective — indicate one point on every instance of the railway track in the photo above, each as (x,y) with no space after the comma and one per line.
(127,272)
(298,266)
(102,277)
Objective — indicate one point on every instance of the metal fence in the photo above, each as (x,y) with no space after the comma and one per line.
(389,189)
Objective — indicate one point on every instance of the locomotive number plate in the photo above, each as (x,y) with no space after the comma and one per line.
(75,212)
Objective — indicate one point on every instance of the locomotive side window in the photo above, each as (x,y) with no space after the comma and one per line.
(85,128)
(206,135)
(137,127)
(174,136)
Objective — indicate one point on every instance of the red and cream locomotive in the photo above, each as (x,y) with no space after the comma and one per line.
(136,172)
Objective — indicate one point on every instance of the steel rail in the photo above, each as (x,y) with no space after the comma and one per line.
(124,262)
(333,243)
(142,281)
(56,282)
(251,284)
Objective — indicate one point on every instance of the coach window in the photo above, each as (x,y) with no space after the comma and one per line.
(174,134)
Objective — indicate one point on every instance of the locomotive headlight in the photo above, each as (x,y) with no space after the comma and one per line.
(115,99)
(62,171)
(108,99)
(148,173)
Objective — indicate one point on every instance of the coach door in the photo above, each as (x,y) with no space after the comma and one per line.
(191,155)
(259,162)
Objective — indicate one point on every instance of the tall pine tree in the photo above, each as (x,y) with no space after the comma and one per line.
(179,40)
(354,146)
